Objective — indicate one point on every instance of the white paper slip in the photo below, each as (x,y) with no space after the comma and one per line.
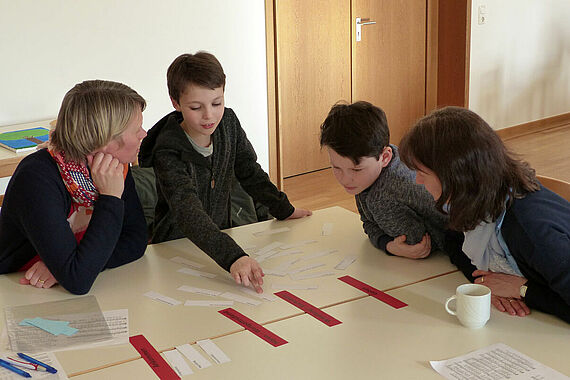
(287,252)
(320,254)
(197,273)
(286,264)
(207,292)
(294,287)
(214,351)
(240,299)
(265,256)
(305,276)
(213,303)
(162,298)
(194,356)
(274,272)
(264,296)
(190,263)
(268,247)
(496,362)
(178,363)
(305,268)
(327,229)
(345,262)
(298,244)
(271,232)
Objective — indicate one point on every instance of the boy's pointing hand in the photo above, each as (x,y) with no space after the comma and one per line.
(247,271)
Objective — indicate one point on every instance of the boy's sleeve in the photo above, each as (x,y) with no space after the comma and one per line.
(177,185)
(254,180)
(376,235)
(396,218)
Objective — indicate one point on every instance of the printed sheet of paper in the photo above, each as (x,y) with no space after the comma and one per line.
(47,358)
(495,362)
(83,313)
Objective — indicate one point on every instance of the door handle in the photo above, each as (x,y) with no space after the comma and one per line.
(359,23)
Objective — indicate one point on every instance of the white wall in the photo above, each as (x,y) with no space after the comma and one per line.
(48,46)
(520,61)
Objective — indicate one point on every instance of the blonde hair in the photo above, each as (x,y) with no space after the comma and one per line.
(92,114)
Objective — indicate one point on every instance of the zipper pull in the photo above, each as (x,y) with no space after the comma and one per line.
(213,183)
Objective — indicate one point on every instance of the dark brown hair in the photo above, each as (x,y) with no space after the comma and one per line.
(475,169)
(202,69)
(355,130)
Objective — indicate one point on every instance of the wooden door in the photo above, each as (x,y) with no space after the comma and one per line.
(388,64)
(313,72)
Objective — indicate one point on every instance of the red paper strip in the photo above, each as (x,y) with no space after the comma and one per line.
(153,358)
(308,308)
(394,302)
(253,326)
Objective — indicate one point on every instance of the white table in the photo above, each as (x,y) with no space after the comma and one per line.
(375,341)
(166,326)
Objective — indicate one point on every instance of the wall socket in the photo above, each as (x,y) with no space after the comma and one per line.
(482,14)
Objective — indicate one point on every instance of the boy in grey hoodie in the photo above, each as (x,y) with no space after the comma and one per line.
(398,215)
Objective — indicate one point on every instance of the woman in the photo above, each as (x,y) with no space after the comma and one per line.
(71,210)
(517,233)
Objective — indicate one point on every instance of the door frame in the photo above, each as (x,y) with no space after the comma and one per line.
(439,53)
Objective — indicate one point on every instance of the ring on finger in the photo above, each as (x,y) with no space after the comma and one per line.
(41,281)
(482,279)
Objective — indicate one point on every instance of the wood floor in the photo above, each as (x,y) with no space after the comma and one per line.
(547,151)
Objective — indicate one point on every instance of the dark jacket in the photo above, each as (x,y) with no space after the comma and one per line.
(34,221)
(536,229)
(194,191)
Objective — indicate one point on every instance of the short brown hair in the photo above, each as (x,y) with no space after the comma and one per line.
(92,114)
(356,130)
(202,69)
(477,172)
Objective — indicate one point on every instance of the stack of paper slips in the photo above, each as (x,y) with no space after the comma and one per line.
(52,327)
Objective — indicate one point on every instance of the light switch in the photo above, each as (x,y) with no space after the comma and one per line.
(482,14)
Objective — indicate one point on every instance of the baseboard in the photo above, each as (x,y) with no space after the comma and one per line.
(534,126)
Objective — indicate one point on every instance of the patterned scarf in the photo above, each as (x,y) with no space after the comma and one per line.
(83,191)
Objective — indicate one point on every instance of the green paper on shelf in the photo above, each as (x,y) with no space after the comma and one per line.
(52,327)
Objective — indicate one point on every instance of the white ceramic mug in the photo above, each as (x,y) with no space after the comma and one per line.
(472,305)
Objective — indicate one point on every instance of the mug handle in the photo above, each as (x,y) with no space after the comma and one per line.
(452,312)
